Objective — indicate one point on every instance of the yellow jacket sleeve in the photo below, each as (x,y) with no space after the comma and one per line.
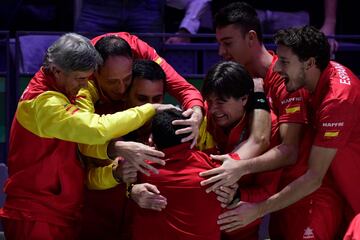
(101,178)
(205,140)
(51,115)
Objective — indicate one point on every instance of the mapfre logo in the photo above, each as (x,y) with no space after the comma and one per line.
(333,124)
(293,99)
(308,233)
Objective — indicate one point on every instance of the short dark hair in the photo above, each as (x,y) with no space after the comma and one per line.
(149,70)
(242,15)
(226,80)
(113,46)
(163,131)
(306,42)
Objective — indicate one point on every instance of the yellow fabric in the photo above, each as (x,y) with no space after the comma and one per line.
(86,97)
(51,115)
(205,139)
(101,178)
(96,151)
(331,134)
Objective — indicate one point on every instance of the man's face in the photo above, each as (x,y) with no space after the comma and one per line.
(145,91)
(226,113)
(233,45)
(114,77)
(70,83)
(290,68)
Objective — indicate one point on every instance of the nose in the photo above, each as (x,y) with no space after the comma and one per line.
(222,51)
(121,87)
(277,67)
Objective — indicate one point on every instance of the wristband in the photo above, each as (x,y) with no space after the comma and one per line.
(128,189)
(259,101)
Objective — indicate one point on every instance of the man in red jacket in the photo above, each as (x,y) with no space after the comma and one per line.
(228,91)
(304,61)
(190,213)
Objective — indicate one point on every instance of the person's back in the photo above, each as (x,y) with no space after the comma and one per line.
(190,213)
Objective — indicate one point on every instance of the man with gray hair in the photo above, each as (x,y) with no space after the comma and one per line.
(45,185)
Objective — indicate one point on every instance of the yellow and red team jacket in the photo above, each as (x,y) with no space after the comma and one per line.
(45,177)
(175,85)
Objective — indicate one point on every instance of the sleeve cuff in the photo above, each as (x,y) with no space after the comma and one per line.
(101,178)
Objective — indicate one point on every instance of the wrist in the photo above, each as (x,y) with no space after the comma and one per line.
(115,174)
(111,150)
(129,187)
(260,102)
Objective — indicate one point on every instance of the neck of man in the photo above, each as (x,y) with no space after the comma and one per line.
(260,62)
(312,77)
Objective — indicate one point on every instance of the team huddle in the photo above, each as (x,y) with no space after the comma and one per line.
(95,154)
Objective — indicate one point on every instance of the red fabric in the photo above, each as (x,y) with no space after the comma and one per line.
(176,85)
(253,187)
(281,102)
(353,232)
(320,217)
(250,232)
(42,186)
(105,215)
(336,119)
(35,230)
(191,213)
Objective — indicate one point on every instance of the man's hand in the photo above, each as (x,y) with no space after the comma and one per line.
(242,214)
(136,154)
(178,40)
(148,196)
(125,171)
(193,124)
(225,195)
(226,175)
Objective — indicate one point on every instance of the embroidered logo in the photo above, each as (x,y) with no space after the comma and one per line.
(292,109)
(308,233)
(330,134)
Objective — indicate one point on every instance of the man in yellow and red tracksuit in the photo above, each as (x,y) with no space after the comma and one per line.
(45,185)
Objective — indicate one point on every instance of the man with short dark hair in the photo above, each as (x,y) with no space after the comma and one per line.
(304,61)
(190,212)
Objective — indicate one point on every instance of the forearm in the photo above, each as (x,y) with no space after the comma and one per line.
(292,193)
(279,156)
(258,141)
(101,178)
(95,151)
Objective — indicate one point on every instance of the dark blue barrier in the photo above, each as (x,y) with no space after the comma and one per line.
(4,93)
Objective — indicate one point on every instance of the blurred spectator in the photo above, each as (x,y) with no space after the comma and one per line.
(135,16)
(187,16)
(281,14)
